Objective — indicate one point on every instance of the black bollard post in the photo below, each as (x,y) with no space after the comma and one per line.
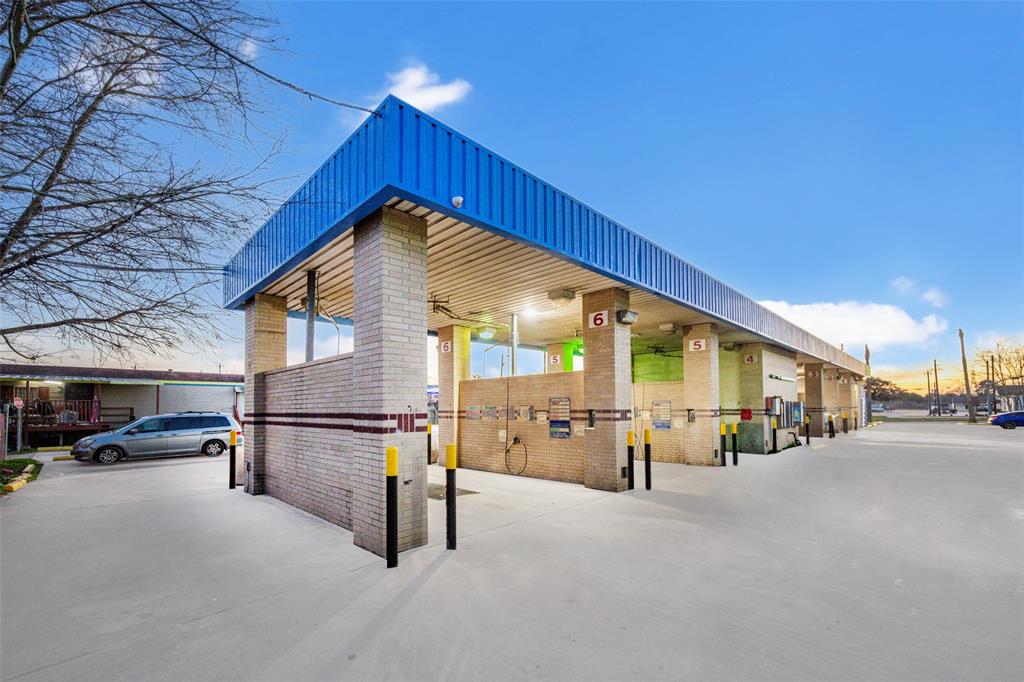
(430,449)
(846,423)
(630,455)
(449,493)
(232,453)
(807,429)
(391,502)
(647,459)
(775,436)
(721,434)
(831,427)
(735,450)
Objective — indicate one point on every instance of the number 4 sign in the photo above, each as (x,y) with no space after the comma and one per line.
(697,345)
(599,319)
(750,359)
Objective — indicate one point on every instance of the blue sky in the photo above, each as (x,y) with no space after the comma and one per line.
(858,165)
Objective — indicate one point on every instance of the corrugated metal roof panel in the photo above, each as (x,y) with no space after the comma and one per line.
(401,151)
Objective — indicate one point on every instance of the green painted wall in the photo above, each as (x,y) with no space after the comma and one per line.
(653,367)
(729,382)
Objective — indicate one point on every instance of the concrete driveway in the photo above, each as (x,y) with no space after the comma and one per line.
(892,553)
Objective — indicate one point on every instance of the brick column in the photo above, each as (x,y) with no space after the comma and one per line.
(847,395)
(752,433)
(607,389)
(266,332)
(830,394)
(814,396)
(389,375)
(452,367)
(701,392)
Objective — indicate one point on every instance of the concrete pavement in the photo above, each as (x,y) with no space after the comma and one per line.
(893,552)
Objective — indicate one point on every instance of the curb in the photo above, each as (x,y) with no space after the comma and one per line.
(62,458)
(54,448)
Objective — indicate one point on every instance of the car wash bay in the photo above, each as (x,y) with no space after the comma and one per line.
(410,228)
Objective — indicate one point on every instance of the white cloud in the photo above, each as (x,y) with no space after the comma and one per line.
(854,323)
(903,285)
(934,296)
(248,48)
(987,339)
(422,88)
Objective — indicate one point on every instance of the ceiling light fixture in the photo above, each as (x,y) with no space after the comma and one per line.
(487,333)
(561,297)
(529,313)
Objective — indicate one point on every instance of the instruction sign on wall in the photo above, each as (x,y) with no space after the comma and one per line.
(559,418)
(598,318)
(473,412)
(661,415)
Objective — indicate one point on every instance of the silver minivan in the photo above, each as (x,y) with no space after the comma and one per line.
(163,435)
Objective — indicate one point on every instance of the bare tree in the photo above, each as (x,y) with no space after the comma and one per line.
(113,218)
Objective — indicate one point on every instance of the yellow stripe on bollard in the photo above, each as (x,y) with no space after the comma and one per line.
(647,436)
(449,456)
(233,438)
(721,428)
(773,422)
(735,428)
(391,461)
(428,427)
(630,438)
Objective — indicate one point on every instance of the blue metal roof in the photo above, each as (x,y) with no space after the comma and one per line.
(401,151)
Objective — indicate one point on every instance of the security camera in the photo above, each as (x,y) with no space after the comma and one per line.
(457,202)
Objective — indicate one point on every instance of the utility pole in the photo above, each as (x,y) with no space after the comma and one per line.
(867,384)
(938,396)
(971,418)
(928,378)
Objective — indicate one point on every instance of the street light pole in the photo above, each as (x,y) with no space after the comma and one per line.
(928,378)
(938,396)
(971,418)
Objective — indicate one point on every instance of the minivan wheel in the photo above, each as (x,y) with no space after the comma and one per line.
(213,448)
(108,455)
(1008,425)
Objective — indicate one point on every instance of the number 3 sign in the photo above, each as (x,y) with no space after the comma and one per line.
(599,319)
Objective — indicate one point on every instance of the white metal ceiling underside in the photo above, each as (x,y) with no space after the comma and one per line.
(484,277)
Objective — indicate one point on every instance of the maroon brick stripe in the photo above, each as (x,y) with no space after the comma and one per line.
(355,428)
(361,416)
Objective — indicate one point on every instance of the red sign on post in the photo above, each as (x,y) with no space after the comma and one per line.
(746,414)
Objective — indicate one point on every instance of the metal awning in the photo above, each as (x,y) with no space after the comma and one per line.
(511,240)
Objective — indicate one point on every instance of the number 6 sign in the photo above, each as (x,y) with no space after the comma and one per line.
(446,346)
(599,319)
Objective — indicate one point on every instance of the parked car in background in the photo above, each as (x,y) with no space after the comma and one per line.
(1007,420)
(878,407)
(164,435)
(981,410)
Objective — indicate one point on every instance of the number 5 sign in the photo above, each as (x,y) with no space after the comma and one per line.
(599,319)
(697,345)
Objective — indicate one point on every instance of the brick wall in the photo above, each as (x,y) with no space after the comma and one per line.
(482,445)
(307,453)
(667,445)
